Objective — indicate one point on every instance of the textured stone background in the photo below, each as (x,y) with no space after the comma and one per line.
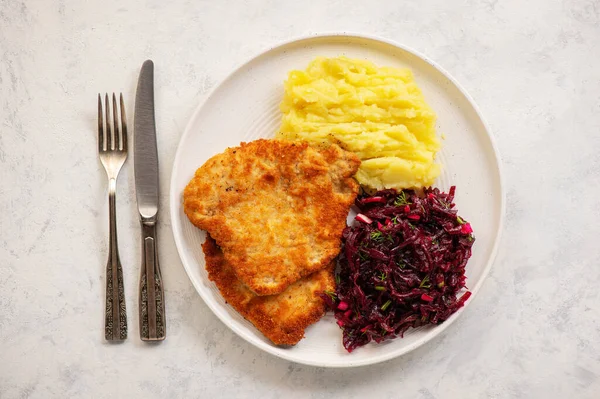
(534,69)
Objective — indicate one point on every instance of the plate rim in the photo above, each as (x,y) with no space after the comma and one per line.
(175,203)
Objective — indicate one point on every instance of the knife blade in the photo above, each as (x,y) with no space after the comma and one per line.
(151,290)
(145,151)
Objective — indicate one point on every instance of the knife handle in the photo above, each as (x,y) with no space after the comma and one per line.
(152,294)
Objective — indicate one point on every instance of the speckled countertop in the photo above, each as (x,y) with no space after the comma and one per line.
(534,69)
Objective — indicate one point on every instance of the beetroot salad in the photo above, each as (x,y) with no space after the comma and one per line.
(402,265)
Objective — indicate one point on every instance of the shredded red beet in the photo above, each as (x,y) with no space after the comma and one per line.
(402,265)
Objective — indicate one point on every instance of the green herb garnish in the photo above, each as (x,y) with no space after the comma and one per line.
(376,236)
(386,305)
(379,288)
(331,295)
(402,200)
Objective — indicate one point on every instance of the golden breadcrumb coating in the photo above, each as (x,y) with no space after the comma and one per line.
(276,208)
(282,318)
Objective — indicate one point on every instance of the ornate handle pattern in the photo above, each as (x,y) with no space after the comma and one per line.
(152,303)
(115,321)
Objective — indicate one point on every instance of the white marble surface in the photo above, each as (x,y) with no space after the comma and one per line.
(534,69)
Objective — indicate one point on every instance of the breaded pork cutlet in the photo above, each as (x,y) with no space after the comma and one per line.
(282,318)
(276,208)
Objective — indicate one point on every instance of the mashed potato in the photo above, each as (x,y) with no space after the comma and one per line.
(378,113)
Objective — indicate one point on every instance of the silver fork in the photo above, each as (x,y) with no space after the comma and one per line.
(112,147)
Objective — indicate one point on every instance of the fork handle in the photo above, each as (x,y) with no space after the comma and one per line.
(115,321)
(152,295)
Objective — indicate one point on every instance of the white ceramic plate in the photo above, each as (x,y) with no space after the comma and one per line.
(245,106)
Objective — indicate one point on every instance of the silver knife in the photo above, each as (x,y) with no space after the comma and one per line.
(152,297)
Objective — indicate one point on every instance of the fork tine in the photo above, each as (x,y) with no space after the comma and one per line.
(100,129)
(115,113)
(110,142)
(123,124)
